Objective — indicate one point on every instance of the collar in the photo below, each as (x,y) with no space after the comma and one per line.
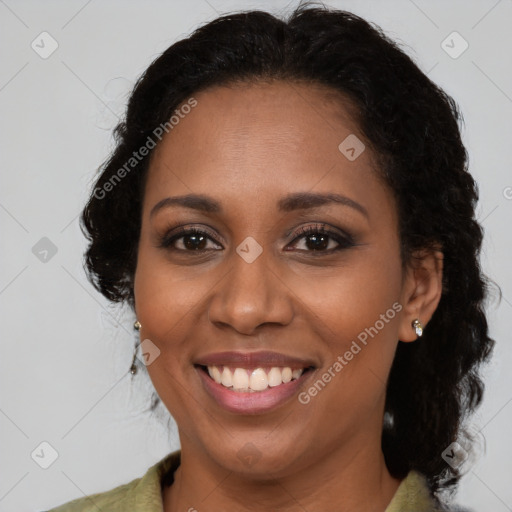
(412,494)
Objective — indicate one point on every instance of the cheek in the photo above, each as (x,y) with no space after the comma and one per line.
(356,311)
(164,293)
(352,298)
(166,305)
(163,299)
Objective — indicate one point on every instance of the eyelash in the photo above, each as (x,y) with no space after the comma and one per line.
(344,241)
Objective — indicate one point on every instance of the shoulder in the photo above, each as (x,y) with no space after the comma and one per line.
(141,494)
(414,494)
(113,500)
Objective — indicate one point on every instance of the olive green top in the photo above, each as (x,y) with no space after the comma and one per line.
(145,494)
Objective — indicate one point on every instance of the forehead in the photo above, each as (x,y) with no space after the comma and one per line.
(257,142)
(297,120)
(245,114)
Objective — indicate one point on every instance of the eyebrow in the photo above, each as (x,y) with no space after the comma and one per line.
(292,202)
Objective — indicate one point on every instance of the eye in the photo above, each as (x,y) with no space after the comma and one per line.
(188,239)
(320,239)
(313,239)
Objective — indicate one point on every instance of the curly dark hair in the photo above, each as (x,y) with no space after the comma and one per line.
(413,128)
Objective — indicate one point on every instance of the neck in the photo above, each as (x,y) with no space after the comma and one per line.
(347,480)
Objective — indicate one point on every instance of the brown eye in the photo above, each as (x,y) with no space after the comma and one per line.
(187,239)
(322,240)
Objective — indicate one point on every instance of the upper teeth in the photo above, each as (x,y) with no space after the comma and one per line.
(242,379)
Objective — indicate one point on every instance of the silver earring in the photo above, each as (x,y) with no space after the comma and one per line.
(137,325)
(418,327)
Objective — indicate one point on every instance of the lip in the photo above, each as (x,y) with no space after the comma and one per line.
(258,402)
(260,359)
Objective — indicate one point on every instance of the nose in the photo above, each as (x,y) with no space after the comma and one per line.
(249,296)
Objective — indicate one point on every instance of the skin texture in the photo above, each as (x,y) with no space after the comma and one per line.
(248,146)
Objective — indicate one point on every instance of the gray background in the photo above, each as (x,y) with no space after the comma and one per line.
(65,351)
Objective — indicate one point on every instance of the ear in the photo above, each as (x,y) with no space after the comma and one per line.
(421,291)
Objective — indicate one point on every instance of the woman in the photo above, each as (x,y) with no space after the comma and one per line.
(288,212)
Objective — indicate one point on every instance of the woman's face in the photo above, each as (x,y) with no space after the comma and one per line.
(253,296)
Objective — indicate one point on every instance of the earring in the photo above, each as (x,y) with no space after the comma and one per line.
(133,367)
(418,327)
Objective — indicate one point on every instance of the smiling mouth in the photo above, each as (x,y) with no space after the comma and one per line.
(253,380)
